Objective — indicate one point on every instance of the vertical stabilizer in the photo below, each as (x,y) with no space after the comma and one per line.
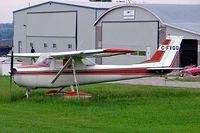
(166,53)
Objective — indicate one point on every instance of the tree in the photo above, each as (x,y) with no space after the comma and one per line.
(6,31)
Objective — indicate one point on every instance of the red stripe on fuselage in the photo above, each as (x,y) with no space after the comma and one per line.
(32,66)
(93,72)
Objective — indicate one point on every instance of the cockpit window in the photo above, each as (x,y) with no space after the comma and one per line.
(44,59)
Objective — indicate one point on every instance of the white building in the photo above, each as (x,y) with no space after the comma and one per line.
(54,26)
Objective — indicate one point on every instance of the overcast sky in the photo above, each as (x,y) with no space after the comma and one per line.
(8,6)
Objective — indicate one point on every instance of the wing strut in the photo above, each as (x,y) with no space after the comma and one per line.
(75,79)
(74,73)
(61,70)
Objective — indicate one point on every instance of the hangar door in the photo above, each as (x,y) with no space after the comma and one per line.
(188,52)
(58,27)
(133,35)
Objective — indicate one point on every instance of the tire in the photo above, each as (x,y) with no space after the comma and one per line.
(181,74)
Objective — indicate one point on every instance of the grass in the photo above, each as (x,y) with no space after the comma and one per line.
(113,108)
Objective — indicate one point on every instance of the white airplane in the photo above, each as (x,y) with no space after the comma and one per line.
(62,69)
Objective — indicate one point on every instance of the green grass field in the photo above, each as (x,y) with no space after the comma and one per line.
(113,108)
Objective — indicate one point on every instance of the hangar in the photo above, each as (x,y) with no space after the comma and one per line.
(144,27)
(55,26)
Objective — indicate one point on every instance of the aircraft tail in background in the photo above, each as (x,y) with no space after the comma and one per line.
(166,54)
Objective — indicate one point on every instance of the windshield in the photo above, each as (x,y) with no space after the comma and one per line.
(44,59)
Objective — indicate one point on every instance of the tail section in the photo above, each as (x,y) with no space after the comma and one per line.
(166,53)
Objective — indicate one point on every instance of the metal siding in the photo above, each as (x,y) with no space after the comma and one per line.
(99,13)
(61,44)
(117,15)
(138,33)
(85,29)
(132,35)
(19,30)
(51,24)
(187,35)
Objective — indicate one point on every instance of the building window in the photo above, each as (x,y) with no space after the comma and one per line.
(54,45)
(139,53)
(142,53)
(31,44)
(19,46)
(45,45)
(69,46)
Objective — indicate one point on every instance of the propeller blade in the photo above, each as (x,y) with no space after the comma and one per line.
(61,70)
(11,67)
(11,73)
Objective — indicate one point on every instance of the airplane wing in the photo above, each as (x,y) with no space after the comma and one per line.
(86,53)
(26,55)
(93,53)
(82,54)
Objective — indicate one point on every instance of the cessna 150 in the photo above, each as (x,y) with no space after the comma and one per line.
(62,69)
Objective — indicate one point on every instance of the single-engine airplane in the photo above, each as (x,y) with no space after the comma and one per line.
(62,69)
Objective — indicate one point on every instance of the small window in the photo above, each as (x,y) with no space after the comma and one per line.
(31,44)
(45,45)
(134,53)
(139,53)
(54,45)
(69,45)
(19,46)
(142,53)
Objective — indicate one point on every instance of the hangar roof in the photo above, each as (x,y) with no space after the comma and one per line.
(90,5)
(184,17)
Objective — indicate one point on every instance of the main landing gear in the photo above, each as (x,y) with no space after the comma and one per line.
(27,93)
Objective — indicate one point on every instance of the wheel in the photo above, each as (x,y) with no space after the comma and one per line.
(197,74)
(181,74)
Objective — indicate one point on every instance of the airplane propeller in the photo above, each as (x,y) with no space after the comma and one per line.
(11,70)
(11,67)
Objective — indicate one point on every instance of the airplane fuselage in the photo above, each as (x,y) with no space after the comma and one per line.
(37,76)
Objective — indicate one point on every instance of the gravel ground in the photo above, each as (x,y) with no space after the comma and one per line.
(159,81)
